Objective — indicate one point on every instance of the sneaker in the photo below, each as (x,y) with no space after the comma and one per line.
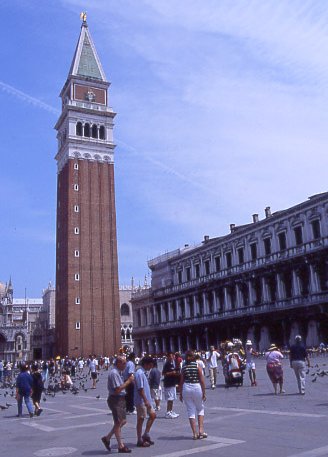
(213,387)
(168,415)
(158,408)
(174,415)
(31,415)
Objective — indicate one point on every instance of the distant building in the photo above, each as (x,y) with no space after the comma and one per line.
(87,290)
(266,281)
(126,317)
(25,333)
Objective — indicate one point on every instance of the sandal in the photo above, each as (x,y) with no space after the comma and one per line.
(143,444)
(202,435)
(124,450)
(106,443)
(195,437)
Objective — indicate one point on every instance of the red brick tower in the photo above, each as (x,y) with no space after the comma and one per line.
(87,294)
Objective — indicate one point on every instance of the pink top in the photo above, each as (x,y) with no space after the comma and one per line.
(273,356)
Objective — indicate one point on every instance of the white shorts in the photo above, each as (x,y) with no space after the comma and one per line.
(193,399)
(170,393)
(156,394)
(250,366)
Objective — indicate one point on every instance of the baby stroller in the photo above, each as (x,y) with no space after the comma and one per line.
(234,374)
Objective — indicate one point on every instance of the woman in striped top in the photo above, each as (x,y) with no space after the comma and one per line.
(192,392)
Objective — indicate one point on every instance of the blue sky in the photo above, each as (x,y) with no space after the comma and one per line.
(222,111)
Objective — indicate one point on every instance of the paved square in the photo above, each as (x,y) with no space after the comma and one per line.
(244,421)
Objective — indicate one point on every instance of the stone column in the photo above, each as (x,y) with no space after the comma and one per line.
(296,284)
(250,293)
(170,311)
(215,302)
(172,347)
(187,308)
(197,342)
(179,343)
(188,342)
(143,345)
(265,290)
(280,287)
(239,297)
(162,313)
(205,304)
(314,280)
(226,299)
(164,344)
(196,307)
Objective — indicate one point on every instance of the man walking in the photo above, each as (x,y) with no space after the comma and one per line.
(128,372)
(24,383)
(171,378)
(212,359)
(297,357)
(143,402)
(116,402)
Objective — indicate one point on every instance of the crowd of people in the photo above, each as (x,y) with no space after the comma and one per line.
(135,384)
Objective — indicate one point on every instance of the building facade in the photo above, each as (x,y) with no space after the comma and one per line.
(126,318)
(266,281)
(25,331)
(87,292)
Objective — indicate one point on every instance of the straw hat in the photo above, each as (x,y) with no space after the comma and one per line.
(272,347)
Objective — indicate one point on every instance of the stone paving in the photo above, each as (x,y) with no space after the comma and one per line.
(244,421)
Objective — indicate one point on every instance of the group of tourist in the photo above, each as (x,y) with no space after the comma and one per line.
(144,382)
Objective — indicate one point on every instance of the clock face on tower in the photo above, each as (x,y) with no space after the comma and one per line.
(90,94)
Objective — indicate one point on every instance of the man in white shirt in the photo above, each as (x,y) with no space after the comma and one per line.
(212,358)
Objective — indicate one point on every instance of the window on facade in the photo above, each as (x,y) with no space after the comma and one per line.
(298,235)
(207,267)
(179,277)
(77,325)
(188,274)
(77,301)
(228,259)
(79,129)
(267,246)
(87,130)
(253,247)
(197,270)
(94,131)
(102,133)
(282,241)
(240,252)
(77,253)
(316,232)
(77,277)
(76,230)
(217,263)
(125,310)
(76,187)
(76,166)
(76,208)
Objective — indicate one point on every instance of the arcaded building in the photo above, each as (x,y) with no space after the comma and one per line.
(126,318)
(87,292)
(266,281)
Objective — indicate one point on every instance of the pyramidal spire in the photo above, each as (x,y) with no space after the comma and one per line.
(86,62)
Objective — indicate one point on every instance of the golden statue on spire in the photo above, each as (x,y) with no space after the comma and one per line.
(83,16)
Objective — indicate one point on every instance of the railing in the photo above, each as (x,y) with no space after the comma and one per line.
(295,302)
(271,259)
(89,105)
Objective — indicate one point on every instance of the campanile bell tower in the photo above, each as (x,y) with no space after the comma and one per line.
(87,294)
